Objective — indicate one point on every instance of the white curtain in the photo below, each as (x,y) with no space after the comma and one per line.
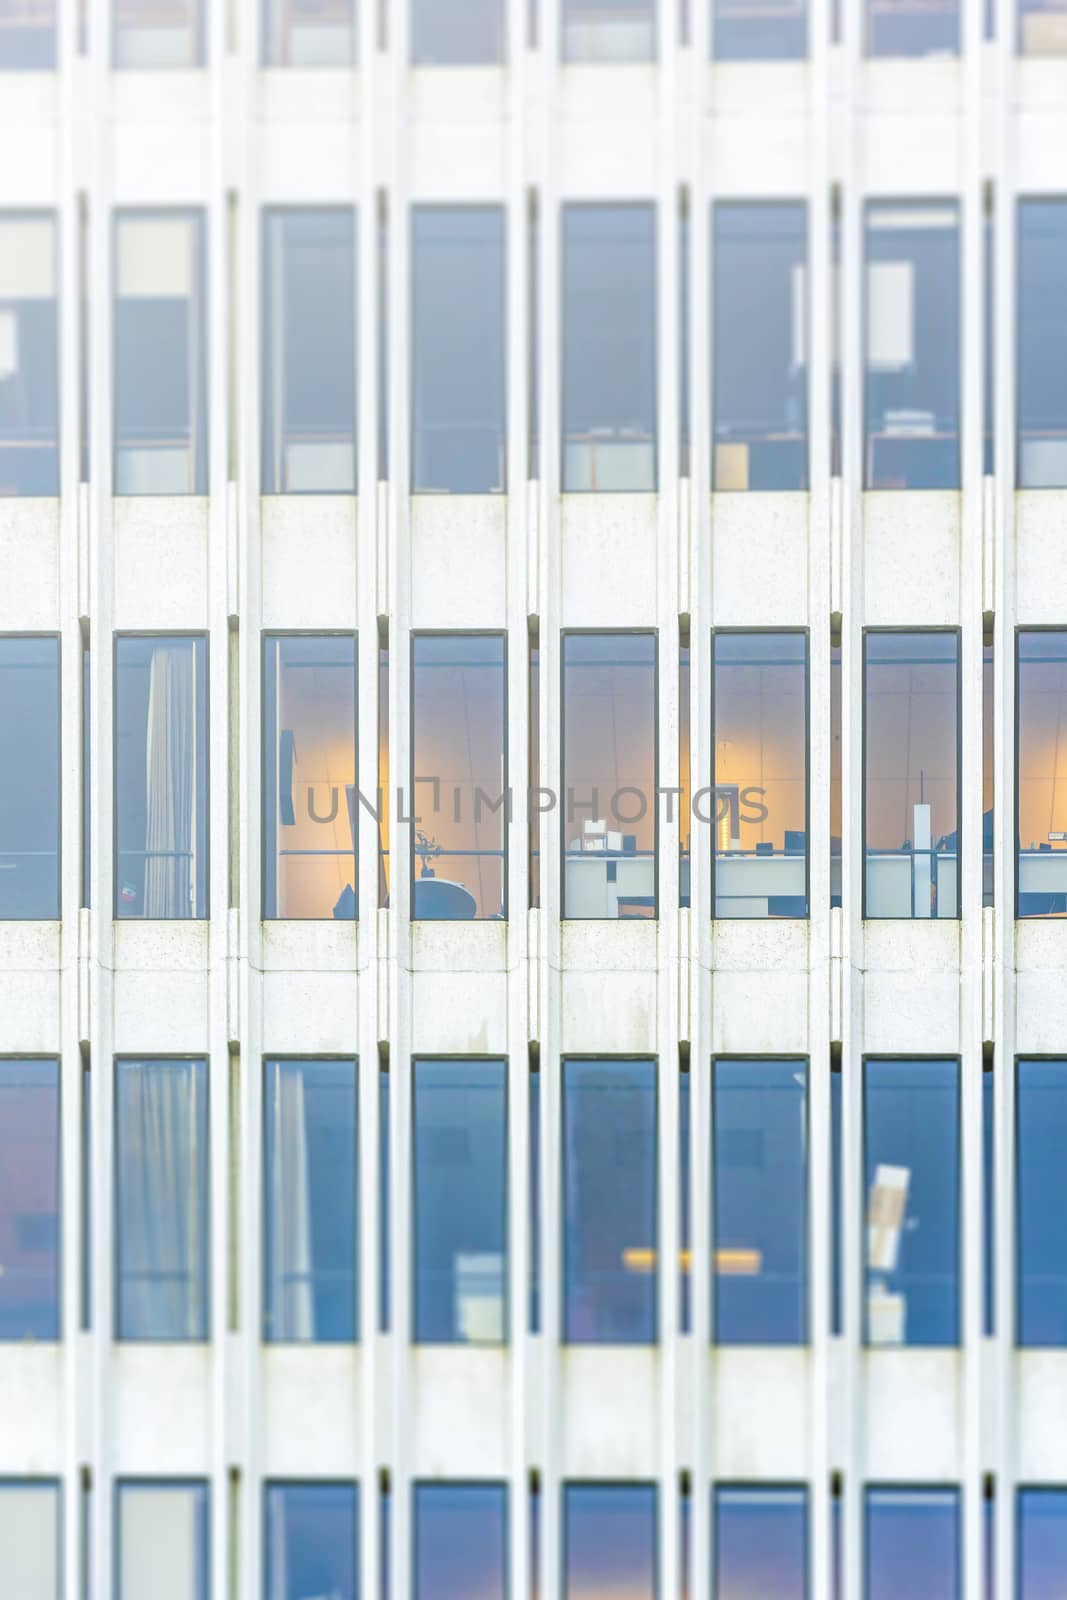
(289,1269)
(170,772)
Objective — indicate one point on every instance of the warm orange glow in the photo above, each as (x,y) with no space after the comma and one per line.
(731,1263)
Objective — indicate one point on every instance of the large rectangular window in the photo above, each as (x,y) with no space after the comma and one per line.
(458,344)
(161,1200)
(1041,772)
(160,377)
(761,1543)
(912,1167)
(312,1541)
(610,1228)
(1042,1535)
(609,1541)
(911,756)
(448,33)
(608,30)
(161,776)
(1042,336)
(309,352)
(459,776)
(146,33)
(609,347)
(311,1201)
(29,1539)
(29,352)
(913,27)
(461,1541)
(29,777)
(27,35)
(912,341)
(1041,1179)
(760,345)
(912,1543)
(777,31)
(760,1201)
(1042,28)
(459,1143)
(759,739)
(310,805)
(296,34)
(609,819)
(162,1541)
(29,1199)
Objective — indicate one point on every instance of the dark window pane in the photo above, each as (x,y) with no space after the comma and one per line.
(609,1202)
(609,30)
(384,1168)
(989,1232)
(746,32)
(460,1201)
(29,348)
(685,1206)
(29,778)
(837,1325)
(535,1201)
(609,1541)
(28,37)
(29,1199)
(299,35)
(145,34)
(1042,1529)
(912,1161)
(312,1541)
(1041,1176)
(457,32)
(760,1543)
(162,1528)
(460,1541)
(904,28)
(1041,785)
(912,1543)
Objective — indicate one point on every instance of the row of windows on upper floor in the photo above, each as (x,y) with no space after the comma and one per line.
(760,316)
(316,1224)
(146,34)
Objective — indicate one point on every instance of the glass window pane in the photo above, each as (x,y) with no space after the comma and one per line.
(160,354)
(534,1109)
(912,385)
(29,782)
(296,34)
(989,1232)
(29,1199)
(760,1543)
(310,1201)
(27,37)
(988,712)
(312,1539)
(29,340)
(457,32)
(161,1200)
(760,346)
(29,1539)
(759,738)
(911,815)
(459,776)
(609,826)
(384,1190)
(161,777)
(609,1202)
(460,1201)
(458,349)
(912,1543)
(685,1241)
(1042,28)
(609,347)
(685,783)
(309,352)
(162,1539)
(913,27)
(1041,1176)
(837,1221)
(1042,353)
(608,30)
(759,1167)
(149,34)
(1041,771)
(460,1541)
(609,1541)
(761,32)
(310,799)
(912,1160)
(835,773)
(1042,1543)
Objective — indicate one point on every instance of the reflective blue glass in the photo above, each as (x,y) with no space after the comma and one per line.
(1041,1177)
(457,32)
(609,1541)
(1042,1550)
(29,1199)
(1042,344)
(312,1541)
(912,1544)
(29,778)
(760,1543)
(460,1541)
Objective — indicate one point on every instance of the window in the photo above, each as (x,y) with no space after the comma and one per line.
(1042,1533)
(989,1191)
(27,38)
(760,1543)
(911,754)
(459,776)
(29,1538)
(912,1165)
(608,30)
(609,1541)
(460,1201)
(912,377)
(760,346)
(1041,1178)
(744,32)
(309,352)
(161,776)
(1042,28)
(323,34)
(459,339)
(609,1202)
(761,774)
(29,777)
(1042,341)
(759,1169)
(312,1541)
(533,759)
(160,354)
(147,33)
(162,1541)
(835,771)
(384,1190)
(609,347)
(685,1207)
(837,1221)
(907,28)
(29,346)
(457,32)
(382,797)
(461,1541)
(534,1240)
(685,776)
(29,1201)
(311,1193)
(610,772)
(912,1543)
(988,754)
(1041,768)
(310,798)
(161,1201)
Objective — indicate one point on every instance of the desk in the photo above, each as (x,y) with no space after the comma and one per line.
(746,884)
(595,882)
(899,884)
(1043,872)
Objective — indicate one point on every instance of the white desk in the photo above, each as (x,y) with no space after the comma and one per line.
(1043,871)
(745,884)
(591,893)
(890,879)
